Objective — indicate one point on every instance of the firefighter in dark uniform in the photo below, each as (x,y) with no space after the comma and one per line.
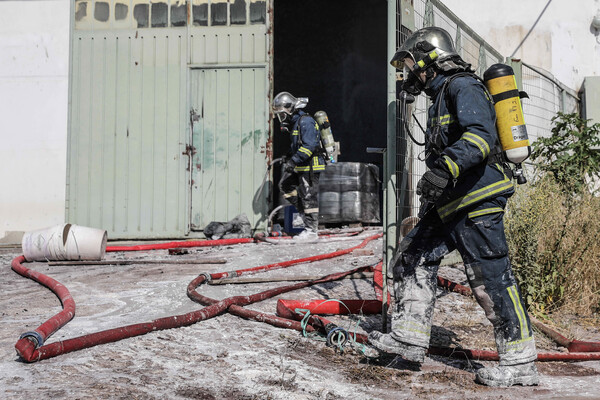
(304,163)
(463,195)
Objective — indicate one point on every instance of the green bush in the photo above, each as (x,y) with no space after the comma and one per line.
(569,153)
(553,224)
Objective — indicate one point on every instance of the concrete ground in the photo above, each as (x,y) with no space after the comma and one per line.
(228,357)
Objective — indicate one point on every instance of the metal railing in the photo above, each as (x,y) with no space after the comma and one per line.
(547,96)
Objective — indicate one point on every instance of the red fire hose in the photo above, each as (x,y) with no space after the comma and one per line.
(222,275)
(30,340)
(240,301)
(31,348)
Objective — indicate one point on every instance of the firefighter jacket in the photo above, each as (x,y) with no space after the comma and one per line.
(306,147)
(461,134)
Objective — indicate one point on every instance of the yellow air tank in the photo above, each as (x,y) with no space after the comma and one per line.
(500,81)
(326,135)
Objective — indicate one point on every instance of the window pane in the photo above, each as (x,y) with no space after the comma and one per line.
(140,13)
(218,12)
(121,11)
(159,15)
(258,12)
(80,10)
(200,14)
(101,12)
(179,15)
(238,12)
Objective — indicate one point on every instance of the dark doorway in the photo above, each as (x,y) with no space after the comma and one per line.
(335,53)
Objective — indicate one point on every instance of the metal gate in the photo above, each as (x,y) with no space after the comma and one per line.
(138,165)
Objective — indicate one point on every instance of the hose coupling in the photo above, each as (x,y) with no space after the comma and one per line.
(206,275)
(33,336)
(336,336)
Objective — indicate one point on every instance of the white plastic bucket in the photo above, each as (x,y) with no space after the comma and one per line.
(64,242)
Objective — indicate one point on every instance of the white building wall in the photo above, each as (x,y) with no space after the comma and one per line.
(34,68)
(563,41)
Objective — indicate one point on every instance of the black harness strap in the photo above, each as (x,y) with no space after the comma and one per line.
(496,155)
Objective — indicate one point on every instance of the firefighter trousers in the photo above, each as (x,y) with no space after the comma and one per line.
(301,189)
(478,235)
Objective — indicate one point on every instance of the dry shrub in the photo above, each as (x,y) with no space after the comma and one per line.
(554,242)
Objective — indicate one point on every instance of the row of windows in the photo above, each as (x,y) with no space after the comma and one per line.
(160,14)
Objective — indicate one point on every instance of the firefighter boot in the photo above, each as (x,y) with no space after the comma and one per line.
(509,375)
(386,343)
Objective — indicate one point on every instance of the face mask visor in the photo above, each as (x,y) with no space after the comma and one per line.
(407,72)
(411,83)
(398,59)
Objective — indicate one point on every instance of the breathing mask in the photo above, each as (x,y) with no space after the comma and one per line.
(411,83)
(285,121)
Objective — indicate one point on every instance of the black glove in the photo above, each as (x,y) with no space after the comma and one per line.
(289,166)
(432,184)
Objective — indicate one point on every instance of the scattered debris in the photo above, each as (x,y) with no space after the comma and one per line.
(239,227)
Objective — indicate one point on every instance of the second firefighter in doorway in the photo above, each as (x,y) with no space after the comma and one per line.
(304,163)
(464,193)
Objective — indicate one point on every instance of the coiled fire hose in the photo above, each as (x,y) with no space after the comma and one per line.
(31,348)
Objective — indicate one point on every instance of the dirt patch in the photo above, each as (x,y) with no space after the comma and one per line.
(378,375)
(566,369)
(194,393)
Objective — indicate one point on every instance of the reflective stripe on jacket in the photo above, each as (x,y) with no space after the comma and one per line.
(306,143)
(467,135)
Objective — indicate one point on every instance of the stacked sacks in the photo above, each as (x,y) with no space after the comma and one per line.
(349,192)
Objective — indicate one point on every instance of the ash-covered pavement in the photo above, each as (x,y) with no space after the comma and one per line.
(228,357)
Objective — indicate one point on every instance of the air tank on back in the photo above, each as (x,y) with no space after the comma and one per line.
(326,136)
(500,81)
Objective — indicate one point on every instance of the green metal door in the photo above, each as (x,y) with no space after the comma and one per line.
(229,124)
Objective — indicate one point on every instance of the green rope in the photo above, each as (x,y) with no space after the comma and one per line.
(318,336)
